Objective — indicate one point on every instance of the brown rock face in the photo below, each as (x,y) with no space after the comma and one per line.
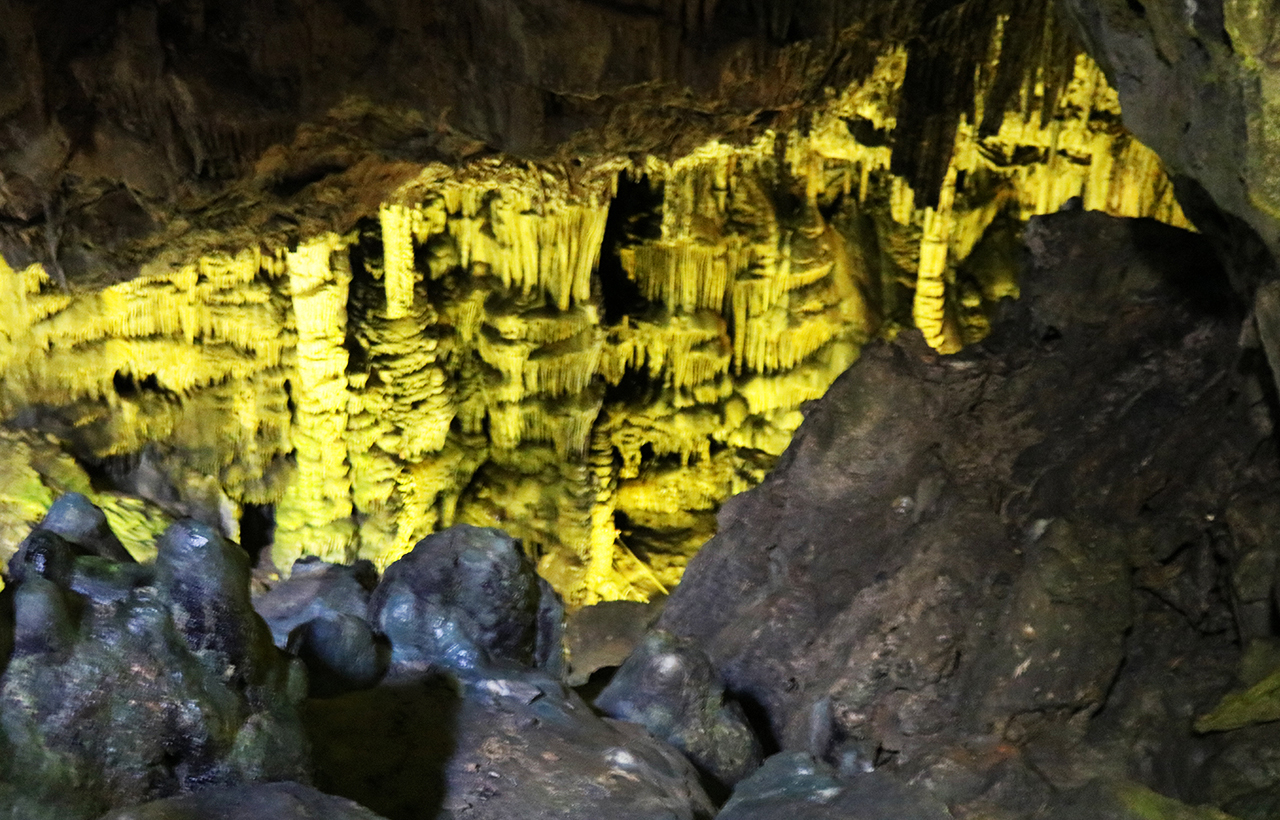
(1009,545)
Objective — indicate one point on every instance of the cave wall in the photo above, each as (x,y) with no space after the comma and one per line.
(1199,84)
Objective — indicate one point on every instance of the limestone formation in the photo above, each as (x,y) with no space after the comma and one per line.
(35,471)
(593,361)
(463,291)
(988,603)
(129,682)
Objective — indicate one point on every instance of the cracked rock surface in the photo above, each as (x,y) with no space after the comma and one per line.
(991,572)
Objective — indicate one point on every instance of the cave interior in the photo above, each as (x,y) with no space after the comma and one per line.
(672,409)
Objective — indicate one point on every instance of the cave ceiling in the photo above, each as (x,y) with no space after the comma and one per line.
(568,268)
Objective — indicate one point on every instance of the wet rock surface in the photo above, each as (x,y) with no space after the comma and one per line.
(473,719)
(464,599)
(277,801)
(320,613)
(669,687)
(1122,800)
(341,652)
(127,685)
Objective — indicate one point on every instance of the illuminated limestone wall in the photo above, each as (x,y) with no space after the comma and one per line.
(591,356)
(35,471)
(1033,164)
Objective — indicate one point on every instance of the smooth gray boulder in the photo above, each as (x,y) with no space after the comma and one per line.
(320,613)
(464,599)
(341,653)
(669,687)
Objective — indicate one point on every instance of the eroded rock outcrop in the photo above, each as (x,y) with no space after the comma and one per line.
(976,570)
(156,690)
(129,683)
(1200,85)
(472,719)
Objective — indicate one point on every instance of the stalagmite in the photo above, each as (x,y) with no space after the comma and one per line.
(314,516)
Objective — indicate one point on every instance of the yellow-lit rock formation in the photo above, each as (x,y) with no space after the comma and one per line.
(592,358)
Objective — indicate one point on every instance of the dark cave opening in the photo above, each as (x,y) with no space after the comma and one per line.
(257,529)
(634,214)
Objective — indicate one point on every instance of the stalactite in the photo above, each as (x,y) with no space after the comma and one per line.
(458,357)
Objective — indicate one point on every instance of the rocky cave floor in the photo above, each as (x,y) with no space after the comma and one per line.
(1030,580)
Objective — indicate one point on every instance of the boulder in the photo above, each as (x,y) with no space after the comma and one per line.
(320,613)
(669,687)
(466,598)
(508,747)
(315,588)
(85,527)
(341,653)
(1015,546)
(80,528)
(129,686)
